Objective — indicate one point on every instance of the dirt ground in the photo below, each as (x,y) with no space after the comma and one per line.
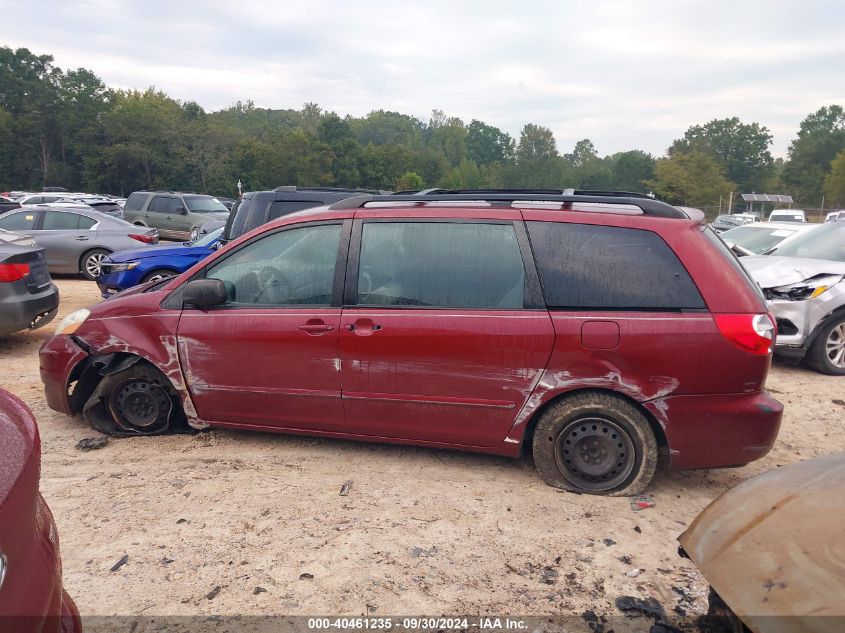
(260,517)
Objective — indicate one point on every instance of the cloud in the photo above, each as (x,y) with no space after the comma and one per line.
(624,74)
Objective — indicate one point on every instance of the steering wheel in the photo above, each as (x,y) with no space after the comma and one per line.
(275,287)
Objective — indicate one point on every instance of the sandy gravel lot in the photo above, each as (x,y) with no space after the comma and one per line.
(259,516)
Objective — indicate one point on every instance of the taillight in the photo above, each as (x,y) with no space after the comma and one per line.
(146,239)
(753,333)
(13,272)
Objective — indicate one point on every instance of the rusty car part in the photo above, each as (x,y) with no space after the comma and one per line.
(773,547)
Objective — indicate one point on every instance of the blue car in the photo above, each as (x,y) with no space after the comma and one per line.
(125,269)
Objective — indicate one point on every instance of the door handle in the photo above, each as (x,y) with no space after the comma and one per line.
(362,327)
(82,238)
(316,328)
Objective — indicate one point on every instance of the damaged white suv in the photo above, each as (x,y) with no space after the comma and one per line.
(803,284)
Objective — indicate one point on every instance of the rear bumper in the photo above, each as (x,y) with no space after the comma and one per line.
(717,431)
(58,357)
(25,311)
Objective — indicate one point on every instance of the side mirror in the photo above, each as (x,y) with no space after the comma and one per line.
(204,293)
(180,210)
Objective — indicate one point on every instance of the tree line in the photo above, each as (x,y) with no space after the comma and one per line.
(67,128)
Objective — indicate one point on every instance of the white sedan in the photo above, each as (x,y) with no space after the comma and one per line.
(760,237)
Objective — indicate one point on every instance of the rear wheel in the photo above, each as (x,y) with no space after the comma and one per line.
(827,353)
(597,443)
(156,275)
(89,264)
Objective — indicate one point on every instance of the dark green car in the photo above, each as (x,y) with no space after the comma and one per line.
(174,214)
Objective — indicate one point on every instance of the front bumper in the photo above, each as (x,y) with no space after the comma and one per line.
(112,283)
(797,320)
(719,430)
(58,357)
(23,312)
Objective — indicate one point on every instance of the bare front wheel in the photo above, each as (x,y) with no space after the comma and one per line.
(595,442)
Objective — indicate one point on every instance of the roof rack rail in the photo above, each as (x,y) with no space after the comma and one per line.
(646,204)
(292,188)
(562,192)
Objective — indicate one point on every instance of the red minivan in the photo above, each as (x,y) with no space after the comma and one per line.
(596,330)
(31,595)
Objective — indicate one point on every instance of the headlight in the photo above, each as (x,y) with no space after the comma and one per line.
(195,234)
(807,289)
(117,268)
(71,322)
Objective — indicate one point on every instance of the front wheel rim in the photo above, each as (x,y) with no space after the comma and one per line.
(595,453)
(835,346)
(140,406)
(92,264)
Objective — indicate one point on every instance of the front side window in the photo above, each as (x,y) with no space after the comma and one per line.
(585,266)
(20,221)
(441,264)
(287,268)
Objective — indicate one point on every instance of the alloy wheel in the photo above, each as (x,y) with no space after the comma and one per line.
(835,346)
(92,264)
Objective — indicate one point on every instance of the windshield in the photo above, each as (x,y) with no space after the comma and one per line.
(825,242)
(204,204)
(756,240)
(209,239)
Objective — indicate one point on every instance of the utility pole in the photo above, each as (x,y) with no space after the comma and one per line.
(730,202)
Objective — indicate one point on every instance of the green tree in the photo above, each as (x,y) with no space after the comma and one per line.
(487,144)
(834,183)
(336,133)
(409,181)
(820,139)
(631,170)
(742,149)
(693,179)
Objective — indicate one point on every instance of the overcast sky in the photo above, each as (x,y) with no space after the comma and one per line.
(625,73)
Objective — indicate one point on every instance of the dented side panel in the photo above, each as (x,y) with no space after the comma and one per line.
(658,355)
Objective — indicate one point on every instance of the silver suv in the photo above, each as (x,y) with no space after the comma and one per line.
(803,284)
(174,214)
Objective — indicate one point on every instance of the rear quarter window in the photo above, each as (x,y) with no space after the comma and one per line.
(135,202)
(610,268)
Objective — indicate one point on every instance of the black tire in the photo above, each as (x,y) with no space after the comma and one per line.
(158,273)
(137,400)
(595,443)
(827,353)
(89,263)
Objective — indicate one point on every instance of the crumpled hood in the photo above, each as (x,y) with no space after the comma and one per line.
(770,271)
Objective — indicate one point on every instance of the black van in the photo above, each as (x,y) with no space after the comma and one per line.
(259,207)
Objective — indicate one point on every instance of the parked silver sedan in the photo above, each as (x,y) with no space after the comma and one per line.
(76,240)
